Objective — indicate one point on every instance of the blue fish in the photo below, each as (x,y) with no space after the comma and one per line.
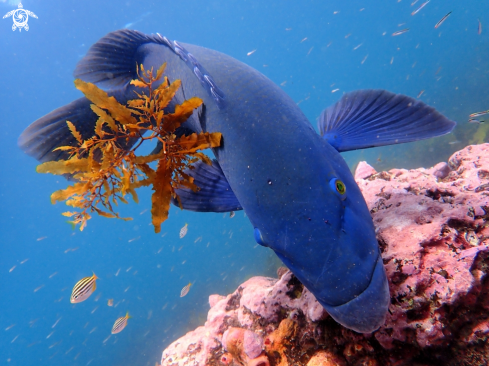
(292,182)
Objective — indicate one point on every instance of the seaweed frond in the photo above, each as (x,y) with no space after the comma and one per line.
(105,172)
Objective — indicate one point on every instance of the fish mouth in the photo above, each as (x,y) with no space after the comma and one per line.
(366,312)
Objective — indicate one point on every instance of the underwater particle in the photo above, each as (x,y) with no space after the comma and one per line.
(392,60)
(420,7)
(25,260)
(11,269)
(357,47)
(120,324)
(420,93)
(117,273)
(250,53)
(38,288)
(185,290)
(364,59)
(110,302)
(41,238)
(440,22)
(10,327)
(57,321)
(83,289)
(232,214)
(400,32)
(303,39)
(334,90)
(479,27)
(183,231)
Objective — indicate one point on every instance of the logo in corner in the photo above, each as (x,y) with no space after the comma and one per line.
(20,17)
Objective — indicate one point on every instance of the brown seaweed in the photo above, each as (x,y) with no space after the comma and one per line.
(105,172)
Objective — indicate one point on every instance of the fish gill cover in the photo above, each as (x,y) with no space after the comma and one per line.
(105,172)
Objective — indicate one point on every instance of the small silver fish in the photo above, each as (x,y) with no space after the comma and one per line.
(475,121)
(83,289)
(250,53)
(420,7)
(420,93)
(120,324)
(185,290)
(478,114)
(231,214)
(400,32)
(183,231)
(479,28)
(442,20)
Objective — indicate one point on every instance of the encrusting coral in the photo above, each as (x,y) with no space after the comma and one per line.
(432,226)
(105,172)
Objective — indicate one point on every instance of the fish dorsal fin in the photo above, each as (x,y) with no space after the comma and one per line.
(371,118)
(215,194)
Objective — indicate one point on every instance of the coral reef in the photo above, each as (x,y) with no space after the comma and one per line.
(432,228)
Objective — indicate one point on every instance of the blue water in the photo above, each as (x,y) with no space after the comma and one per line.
(304,46)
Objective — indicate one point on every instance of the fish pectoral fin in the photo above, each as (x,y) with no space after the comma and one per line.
(214,194)
(371,118)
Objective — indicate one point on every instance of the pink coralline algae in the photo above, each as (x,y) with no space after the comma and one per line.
(432,227)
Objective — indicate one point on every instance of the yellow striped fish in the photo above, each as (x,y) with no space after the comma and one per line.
(120,324)
(185,290)
(83,289)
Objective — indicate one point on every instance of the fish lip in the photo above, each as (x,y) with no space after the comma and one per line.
(367,311)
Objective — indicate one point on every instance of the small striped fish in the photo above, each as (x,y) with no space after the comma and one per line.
(183,231)
(120,324)
(83,289)
(185,290)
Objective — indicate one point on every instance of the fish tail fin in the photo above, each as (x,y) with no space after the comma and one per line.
(51,131)
(128,316)
(95,276)
(111,62)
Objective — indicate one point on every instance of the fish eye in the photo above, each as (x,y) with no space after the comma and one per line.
(338,187)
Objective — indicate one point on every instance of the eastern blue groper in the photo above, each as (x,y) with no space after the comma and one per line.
(292,182)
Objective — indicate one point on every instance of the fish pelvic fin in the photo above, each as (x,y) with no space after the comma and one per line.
(372,118)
